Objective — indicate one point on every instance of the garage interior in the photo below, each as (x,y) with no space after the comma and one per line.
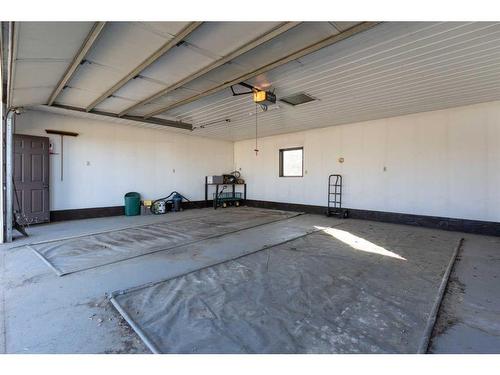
(250,187)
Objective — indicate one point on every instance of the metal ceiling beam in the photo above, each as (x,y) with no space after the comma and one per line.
(82,52)
(147,62)
(151,120)
(278,30)
(293,56)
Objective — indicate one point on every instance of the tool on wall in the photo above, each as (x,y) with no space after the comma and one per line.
(62,134)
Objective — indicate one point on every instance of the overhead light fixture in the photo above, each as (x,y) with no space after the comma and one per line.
(297,99)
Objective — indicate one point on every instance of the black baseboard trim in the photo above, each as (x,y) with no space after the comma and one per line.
(459,225)
(86,213)
(95,212)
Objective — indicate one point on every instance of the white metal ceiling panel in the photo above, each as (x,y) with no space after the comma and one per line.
(94,78)
(44,50)
(222,98)
(222,38)
(199,85)
(146,108)
(224,73)
(390,70)
(74,97)
(289,42)
(32,73)
(119,50)
(419,54)
(316,65)
(170,98)
(51,40)
(113,104)
(344,25)
(175,95)
(295,39)
(124,45)
(176,64)
(139,88)
(208,43)
(165,29)
(30,96)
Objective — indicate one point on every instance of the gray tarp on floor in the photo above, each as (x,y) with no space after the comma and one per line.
(358,287)
(84,252)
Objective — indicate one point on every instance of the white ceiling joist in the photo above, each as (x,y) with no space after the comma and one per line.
(147,62)
(280,29)
(82,52)
(293,56)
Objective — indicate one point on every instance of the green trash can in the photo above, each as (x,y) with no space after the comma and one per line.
(132,204)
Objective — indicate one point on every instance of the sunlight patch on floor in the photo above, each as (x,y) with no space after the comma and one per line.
(358,243)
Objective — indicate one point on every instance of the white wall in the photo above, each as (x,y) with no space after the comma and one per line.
(442,163)
(124,158)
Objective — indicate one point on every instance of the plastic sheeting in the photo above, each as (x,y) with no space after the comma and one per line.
(359,287)
(85,252)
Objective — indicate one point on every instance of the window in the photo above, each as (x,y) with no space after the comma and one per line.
(291,162)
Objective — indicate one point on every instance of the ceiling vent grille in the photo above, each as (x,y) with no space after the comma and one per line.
(297,99)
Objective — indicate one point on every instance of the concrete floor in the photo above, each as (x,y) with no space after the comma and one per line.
(469,318)
(43,313)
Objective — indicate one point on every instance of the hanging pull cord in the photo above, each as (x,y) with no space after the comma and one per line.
(256,122)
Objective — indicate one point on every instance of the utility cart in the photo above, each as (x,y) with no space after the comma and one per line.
(335,197)
(227,199)
(221,196)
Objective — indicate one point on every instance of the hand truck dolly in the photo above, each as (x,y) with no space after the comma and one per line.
(335,197)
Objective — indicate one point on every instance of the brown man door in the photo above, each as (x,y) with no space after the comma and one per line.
(31,179)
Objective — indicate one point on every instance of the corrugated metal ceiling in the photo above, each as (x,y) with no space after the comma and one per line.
(391,69)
